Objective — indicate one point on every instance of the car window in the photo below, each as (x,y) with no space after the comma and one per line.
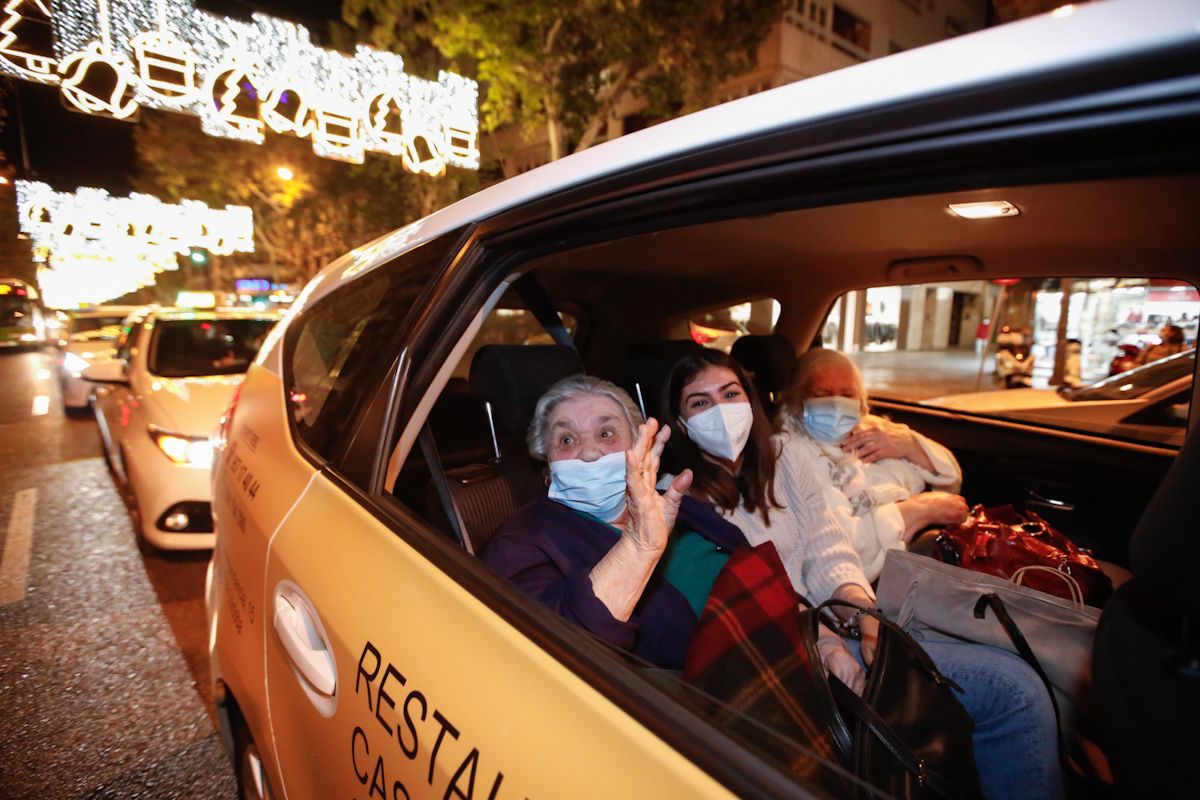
(195,347)
(338,352)
(1078,354)
(127,341)
(719,328)
(91,328)
(509,325)
(467,433)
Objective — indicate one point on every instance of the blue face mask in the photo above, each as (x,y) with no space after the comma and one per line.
(594,487)
(829,419)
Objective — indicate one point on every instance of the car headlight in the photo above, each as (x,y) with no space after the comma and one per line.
(194,450)
(73,362)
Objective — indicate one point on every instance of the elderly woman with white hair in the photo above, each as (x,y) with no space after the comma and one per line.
(875,474)
(604,549)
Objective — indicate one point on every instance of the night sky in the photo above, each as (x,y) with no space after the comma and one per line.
(68,149)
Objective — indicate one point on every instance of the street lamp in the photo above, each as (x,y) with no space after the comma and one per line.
(284,173)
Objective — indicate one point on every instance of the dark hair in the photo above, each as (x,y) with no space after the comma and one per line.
(753,485)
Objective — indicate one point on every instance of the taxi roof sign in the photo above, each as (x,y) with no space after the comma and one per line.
(187,299)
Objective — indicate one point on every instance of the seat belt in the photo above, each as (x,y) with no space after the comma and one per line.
(442,484)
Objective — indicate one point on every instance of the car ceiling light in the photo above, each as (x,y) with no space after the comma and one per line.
(989,209)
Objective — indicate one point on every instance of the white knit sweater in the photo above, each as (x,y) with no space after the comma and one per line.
(815,549)
(875,525)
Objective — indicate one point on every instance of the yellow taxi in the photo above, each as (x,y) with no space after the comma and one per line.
(360,649)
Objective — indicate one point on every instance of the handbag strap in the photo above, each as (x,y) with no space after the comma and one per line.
(878,726)
(918,652)
(1072,584)
(847,699)
(992,600)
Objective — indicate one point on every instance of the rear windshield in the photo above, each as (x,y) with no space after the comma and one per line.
(15,311)
(96,327)
(191,347)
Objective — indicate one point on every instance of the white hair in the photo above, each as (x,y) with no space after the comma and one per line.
(807,365)
(569,388)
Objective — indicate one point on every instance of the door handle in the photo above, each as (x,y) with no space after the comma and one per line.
(305,644)
(1032,497)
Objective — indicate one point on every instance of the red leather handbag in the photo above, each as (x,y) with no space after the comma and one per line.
(1023,547)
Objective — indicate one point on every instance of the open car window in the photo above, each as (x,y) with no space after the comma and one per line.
(1107,356)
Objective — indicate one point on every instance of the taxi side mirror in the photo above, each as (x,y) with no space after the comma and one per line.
(107,372)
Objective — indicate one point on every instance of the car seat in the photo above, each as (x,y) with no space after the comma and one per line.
(1146,660)
(769,360)
(647,365)
(509,379)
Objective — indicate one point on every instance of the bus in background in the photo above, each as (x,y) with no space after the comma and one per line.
(22,323)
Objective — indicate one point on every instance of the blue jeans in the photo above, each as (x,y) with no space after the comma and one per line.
(1016,738)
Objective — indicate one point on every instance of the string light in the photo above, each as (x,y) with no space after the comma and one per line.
(92,247)
(241,78)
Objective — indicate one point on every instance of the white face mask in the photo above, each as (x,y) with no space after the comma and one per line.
(722,430)
(829,419)
(594,487)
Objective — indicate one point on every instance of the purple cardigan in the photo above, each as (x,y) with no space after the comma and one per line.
(548,551)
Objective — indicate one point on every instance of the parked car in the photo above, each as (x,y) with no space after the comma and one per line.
(89,336)
(157,403)
(358,646)
(1147,402)
(22,321)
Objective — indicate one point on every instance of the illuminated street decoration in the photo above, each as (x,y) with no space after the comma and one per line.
(92,247)
(25,42)
(112,57)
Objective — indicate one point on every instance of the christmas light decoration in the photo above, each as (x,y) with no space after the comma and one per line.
(92,247)
(112,57)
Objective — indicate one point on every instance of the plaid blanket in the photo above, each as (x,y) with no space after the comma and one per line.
(749,654)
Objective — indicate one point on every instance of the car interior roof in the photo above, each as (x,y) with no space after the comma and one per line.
(1143,226)
(806,258)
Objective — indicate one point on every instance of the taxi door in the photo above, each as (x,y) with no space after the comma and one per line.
(386,678)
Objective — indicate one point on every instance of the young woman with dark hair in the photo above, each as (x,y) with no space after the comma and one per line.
(755,481)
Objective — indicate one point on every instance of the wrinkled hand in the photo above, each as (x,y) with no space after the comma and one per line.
(931,508)
(651,515)
(944,508)
(838,661)
(888,440)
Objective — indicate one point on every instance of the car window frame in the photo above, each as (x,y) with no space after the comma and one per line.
(368,417)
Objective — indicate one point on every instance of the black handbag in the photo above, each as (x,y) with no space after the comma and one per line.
(908,735)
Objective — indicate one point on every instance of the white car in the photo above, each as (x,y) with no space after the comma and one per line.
(88,337)
(360,648)
(1148,402)
(157,402)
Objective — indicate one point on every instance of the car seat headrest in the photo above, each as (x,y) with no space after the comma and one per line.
(513,377)
(648,365)
(770,358)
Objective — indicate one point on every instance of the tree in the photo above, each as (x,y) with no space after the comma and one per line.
(301,222)
(566,66)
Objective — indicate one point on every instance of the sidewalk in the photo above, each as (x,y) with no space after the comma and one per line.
(920,374)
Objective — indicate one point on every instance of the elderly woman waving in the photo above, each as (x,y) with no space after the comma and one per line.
(604,549)
(874,473)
